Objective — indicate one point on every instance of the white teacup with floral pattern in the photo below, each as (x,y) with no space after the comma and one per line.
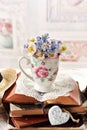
(43,57)
(44,72)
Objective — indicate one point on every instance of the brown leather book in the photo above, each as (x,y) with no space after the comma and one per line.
(18,110)
(71,98)
(26,123)
(20,122)
(76,109)
(10,96)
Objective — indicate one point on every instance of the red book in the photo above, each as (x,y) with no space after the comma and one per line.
(20,122)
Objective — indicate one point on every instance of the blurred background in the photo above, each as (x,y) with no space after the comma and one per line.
(65,20)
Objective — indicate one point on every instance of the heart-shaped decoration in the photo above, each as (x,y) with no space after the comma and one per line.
(57,116)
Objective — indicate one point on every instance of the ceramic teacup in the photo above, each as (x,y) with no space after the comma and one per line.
(44,71)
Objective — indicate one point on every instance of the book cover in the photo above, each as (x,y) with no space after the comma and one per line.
(11,96)
(25,121)
(71,98)
(42,123)
(18,110)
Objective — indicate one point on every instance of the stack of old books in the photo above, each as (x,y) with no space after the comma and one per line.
(27,113)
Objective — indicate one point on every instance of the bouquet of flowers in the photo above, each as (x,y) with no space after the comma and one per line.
(44,47)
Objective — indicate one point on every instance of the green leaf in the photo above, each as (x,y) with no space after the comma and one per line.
(35,62)
(42,80)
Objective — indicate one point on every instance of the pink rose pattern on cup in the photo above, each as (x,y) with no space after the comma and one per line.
(45,69)
(41,72)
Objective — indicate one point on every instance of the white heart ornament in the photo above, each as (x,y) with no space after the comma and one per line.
(57,116)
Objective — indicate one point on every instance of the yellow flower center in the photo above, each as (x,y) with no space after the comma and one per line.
(30,49)
(51,54)
(32,40)
(63,48)
(40,54)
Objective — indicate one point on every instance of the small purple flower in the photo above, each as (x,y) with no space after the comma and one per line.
(38,38)
(52,41)
(53,46)
(45,37)
(26,46)
(59,43)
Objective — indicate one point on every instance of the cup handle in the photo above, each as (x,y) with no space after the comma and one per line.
(20,65)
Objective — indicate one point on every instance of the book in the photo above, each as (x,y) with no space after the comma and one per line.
(47,128)
(30,123)
(76,109)
(71,98)
(11,96)
(11,126)
(18,110)
(25,121)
